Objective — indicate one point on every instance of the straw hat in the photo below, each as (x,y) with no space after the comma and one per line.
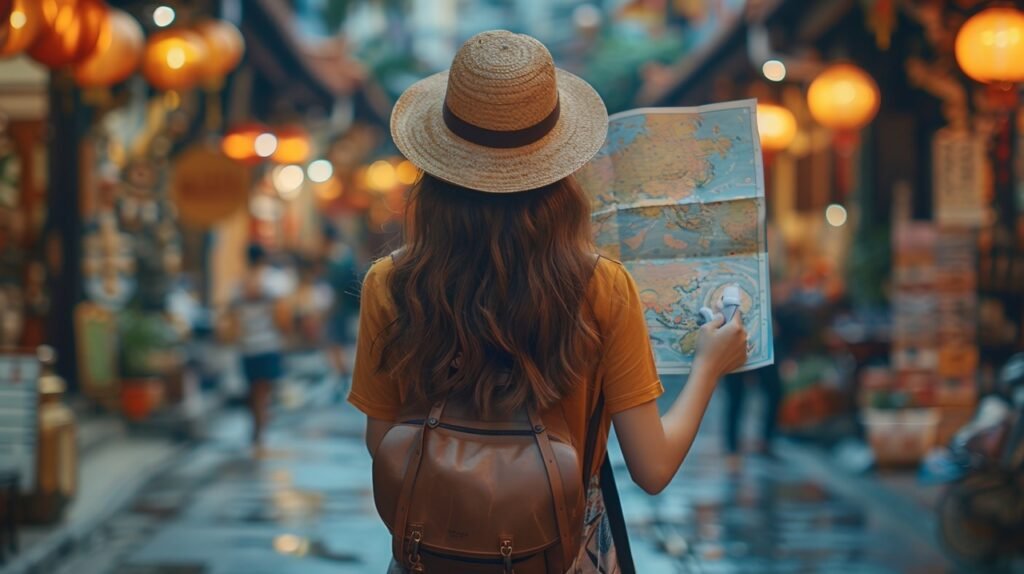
(503,119)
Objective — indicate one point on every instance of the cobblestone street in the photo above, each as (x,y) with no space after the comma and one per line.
(306,507)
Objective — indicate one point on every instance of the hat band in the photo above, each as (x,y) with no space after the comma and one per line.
(497,138)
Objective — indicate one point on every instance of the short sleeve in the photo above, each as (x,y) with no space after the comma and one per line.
(373,392)
(630,377)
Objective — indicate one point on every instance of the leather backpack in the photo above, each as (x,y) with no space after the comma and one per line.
(465,495)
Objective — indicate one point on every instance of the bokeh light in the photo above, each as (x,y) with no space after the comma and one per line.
(774,70)
(163,16)
(835,215)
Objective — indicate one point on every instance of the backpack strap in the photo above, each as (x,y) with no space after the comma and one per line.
(402,533)
(591,445)
(555,480)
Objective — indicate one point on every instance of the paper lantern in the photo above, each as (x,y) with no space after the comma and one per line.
(70,31)
(843,97)
(173,59)
(990,45)
(776,127)
(293,145)
(224,45)
(117,54)
(21,21)
(239,142)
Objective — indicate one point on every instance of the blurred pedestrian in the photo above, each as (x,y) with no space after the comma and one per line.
(262,317)
(767,380)
(496,348)
(342,274)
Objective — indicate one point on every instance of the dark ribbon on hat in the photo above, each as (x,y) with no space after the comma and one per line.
(498,138)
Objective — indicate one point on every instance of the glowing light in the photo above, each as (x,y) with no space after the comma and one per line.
(381,176)
(774,70)
(163,16)
(776,127)
(320,171)
(835,215)
(843,97)
(990,45)
(407,173)
(18,19)
(265,144)
(175,58)
(293,145)
(288,180)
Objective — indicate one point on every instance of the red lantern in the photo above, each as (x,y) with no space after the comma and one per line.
(20,24)
(70,31)
(173,59)
(225,47)
(117,54)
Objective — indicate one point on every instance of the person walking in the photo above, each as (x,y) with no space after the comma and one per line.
(495,348)
(261,319)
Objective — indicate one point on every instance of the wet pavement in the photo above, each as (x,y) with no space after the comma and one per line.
(306,507)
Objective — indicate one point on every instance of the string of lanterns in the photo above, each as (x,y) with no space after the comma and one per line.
(103,46)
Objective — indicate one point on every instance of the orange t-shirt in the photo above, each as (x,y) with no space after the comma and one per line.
(625,369)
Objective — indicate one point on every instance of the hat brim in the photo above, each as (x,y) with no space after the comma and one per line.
(419,131)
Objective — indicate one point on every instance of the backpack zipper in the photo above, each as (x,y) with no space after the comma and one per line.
(471,430)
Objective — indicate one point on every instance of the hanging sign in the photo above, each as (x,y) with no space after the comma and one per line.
(958,178)
(208,187)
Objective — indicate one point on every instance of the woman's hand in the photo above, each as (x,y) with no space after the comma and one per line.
(721,348)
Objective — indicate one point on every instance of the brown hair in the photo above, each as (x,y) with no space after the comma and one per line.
(496,284)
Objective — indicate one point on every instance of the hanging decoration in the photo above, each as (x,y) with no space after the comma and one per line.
(224,49)
(117,54)
(70,31)
(173,59)
(990,45)
(20,24)
(843,97)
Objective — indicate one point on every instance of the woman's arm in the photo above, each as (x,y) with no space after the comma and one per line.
(655,446)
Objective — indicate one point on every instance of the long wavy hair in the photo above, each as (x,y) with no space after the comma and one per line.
(490,294)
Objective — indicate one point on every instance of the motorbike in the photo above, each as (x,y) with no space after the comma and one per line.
(981,511)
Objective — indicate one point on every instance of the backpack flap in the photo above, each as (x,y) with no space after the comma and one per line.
(473,492)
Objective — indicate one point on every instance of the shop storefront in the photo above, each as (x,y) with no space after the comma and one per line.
(895,216)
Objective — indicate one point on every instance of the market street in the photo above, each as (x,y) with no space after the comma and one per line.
(307,508)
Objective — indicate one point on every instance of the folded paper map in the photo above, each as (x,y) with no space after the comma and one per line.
(678,198)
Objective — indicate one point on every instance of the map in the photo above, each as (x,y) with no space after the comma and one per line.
(678,197)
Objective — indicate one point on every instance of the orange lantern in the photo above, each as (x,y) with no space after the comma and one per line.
(776,127)
(293,145)
(173,59)
(239,142)
(990,45)
(70,31)
(20,24)
(225,47)
(843,97)
(117,54)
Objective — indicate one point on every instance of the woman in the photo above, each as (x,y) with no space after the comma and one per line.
(497,295)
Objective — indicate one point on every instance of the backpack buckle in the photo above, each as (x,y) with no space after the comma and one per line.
(415,562)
